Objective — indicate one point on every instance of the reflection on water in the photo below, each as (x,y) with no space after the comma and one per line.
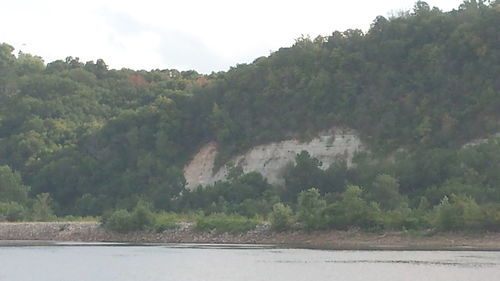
(186,262)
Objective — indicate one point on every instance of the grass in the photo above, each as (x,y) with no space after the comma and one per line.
(76,219)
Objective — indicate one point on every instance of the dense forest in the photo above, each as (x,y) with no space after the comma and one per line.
(78,138)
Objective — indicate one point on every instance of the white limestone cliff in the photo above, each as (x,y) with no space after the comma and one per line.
(270,159)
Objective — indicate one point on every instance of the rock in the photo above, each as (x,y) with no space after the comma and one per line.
(270,159)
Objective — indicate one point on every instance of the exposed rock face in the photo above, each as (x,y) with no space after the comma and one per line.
(200,170)
(271,159)
(480,141)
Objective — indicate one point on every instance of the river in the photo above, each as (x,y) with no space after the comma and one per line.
(194,262)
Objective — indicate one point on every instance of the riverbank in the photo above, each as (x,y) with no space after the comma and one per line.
(333,239)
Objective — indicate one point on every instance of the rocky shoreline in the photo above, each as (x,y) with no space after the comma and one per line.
(354,239)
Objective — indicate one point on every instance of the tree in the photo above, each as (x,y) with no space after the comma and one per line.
(385,191)
(459,212)
(7,67)
(29,64)
(353,210)
(310,208)
(280,217)
(41,208)
(421,8)
(12,211)
(303,175)
(11,187)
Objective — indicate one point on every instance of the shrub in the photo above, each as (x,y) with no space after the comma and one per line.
(402,218)
(251,208)
(492,216)
(164,221)
(280,217)
(141,218)
(120,221)
(385,191)
(12,211)
(11,187)
(459,212)
(41,210)
(310,209)
(353,210)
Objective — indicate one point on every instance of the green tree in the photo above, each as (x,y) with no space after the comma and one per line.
(7,67)
(459,212)
(310,208)
(41,210)
(280,217)
(11,187)
(303,175)
(353,210)
(141,218)
(12,211)
(120,221)
(385,191)
(29,64)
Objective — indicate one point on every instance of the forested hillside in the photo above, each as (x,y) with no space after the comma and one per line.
(81,139)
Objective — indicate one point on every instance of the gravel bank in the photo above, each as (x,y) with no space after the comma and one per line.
(92,232)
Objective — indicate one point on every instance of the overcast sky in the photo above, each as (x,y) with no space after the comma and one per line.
(206,36)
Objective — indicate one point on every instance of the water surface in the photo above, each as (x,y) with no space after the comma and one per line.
(183,262)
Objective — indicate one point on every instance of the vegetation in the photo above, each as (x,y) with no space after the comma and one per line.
(226,223)
(79,139)
(141,218)
(281,217)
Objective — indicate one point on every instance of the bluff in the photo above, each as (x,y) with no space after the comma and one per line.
(270,159)
(415,88)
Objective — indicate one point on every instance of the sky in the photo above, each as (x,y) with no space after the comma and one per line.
(206,36)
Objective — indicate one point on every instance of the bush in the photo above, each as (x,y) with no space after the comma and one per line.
(11,187)
(310,209)
(225,223)
(385,191)
(164,221)
(41,210)
(251,208)
(280,217)
(492,216)
(12,211)
(353,210)
(120,221)
(403,218)
(459,212)
(141,218)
